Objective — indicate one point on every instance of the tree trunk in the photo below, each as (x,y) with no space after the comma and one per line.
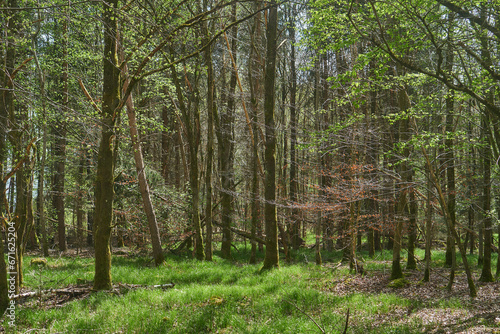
(192,134)
(104,193)
(295,224)
(271,256)
(143,182)
(402,188)
(412,229)
(41,183)
(210,143)
(428,229)
(60,146)
(80,199)
(319,120)
(226,147)
(486,275)
(254,78)
(444,208)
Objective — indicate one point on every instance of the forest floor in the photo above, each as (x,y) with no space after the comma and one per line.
(234,297)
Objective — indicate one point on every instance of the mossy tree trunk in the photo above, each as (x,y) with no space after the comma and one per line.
(104,192)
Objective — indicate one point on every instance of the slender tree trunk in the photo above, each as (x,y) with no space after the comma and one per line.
(497,202)
(41,183)
(254,78)
(454,233)
(272,256)
(412,229)
(402,188)
(6,97)
(486,275)
(104,193)
(210,143)
(192,134)
(143,183)
(60,147)
(428,229)
(80,200)
(226,148)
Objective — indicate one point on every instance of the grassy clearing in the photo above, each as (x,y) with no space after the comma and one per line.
(234,297)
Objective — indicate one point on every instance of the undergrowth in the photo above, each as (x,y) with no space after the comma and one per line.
(220,296)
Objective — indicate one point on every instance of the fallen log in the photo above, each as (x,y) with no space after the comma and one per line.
(244,234)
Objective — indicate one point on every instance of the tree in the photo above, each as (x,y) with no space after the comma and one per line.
(225,129)
(104,184)
(143,183)
(272,256)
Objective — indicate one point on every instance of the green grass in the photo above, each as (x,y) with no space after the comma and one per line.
(220,296)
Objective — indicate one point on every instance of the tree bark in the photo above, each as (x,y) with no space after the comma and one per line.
(271,259)
(486,275)
(41,183)
(210,142)
(192,134)
(295,233)
(104,192)
(254,78)
(143,182)
(226,148)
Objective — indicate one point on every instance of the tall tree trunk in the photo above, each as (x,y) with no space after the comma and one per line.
(41,183)
(143,182)
(321,195)
(5,101)
(295,235)
(428,228)
(412,227)
(486,275)
(210,142)
(80,199)
(254,78)
(60,146)
(452,228)
(192,134)
(272,256)
(226,148)
(402,188)
(104,193)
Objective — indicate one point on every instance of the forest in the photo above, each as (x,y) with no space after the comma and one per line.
(153,150)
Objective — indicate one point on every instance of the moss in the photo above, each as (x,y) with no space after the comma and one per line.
(38,261)
(398,283)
